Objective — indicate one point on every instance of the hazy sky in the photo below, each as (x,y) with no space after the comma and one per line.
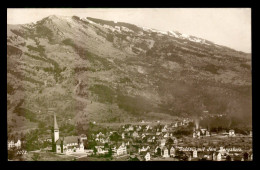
(225,26)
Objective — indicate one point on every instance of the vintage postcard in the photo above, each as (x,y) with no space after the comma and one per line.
(129,84)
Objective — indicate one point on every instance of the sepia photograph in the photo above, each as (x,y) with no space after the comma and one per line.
(129,84)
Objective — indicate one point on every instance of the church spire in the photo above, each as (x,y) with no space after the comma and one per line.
(55,122)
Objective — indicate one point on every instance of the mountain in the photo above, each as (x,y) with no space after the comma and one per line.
(90,69)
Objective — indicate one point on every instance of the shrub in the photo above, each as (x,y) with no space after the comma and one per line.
(110,37)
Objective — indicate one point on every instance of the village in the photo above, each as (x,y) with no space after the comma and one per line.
(183,140)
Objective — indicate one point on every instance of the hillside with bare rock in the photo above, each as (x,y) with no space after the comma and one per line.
(95,70)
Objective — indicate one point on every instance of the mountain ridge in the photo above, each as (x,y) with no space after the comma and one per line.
(92,72)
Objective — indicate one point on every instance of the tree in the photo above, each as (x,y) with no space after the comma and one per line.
(245,156)
(170,141)
(158,151)
(115,137)
(228,158)
(110,152)
(95,150)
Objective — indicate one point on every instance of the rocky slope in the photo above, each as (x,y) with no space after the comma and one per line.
(94,70)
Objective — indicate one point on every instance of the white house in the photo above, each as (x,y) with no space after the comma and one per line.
(207,133)
(121,150)
(147,156)
(135,134)
(203,131)
(231,133)
(195,154)
(166,153)
(117,28)
(131,128)
(163,141)
(166,135)
(147,127)
(219,157)
(101,150)
(100,134)
(172,152)
(83,137)
(143,135)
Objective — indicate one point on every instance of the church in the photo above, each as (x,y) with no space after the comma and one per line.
(65,145)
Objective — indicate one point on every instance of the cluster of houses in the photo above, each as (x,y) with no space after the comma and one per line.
(158,142)
(143,141)
(14,144)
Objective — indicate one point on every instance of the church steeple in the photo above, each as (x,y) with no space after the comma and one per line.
(55,123)
(56,129)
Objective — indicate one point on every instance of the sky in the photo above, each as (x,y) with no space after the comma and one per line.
(230,27)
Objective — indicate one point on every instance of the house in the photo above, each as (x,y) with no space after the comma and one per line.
(172,152)
(147,156)
(203,131)
(121,150)
(100,134)
(166,135)
(218,157)
(101,150)
(143,136)
(214,156)
(123,136)
(231,133)
(164,129)
(117,28)
(207,133)
(89,151)
(196,134)
(158,133)
(163,141)
(151,139)
(144,149)
(83,137)
(130,128)
(135,134)
(175,141)
(165,152)
(104,140)
(195,154)
(139,128)
(147,127)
